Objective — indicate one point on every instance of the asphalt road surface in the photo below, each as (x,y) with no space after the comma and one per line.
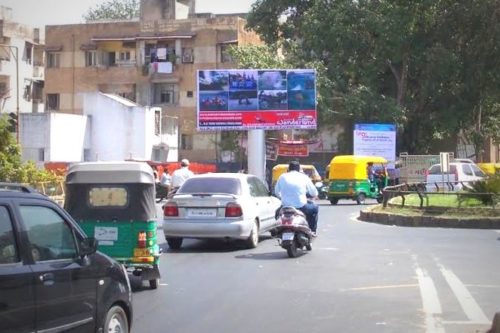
(359,277)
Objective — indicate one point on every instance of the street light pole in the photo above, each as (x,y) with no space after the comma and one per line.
(16,56)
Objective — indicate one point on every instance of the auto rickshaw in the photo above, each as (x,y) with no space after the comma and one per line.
(348,175)
(308,169)
(115,203)
(490,168)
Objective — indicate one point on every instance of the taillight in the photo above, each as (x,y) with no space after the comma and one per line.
(170,209)
(141,239)
(233,210)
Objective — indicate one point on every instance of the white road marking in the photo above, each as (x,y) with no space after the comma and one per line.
(430,302)
(354,217)
(464,297)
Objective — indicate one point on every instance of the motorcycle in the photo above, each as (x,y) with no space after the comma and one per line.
(293,232)
(322,190)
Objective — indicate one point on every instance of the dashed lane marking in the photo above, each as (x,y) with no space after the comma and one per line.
(464,297)
(430,302)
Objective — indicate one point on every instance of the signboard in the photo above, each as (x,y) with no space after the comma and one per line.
(376,140)
(298,150)
(243,99)
(271,151)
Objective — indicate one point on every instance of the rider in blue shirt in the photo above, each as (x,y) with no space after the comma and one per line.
(293,187)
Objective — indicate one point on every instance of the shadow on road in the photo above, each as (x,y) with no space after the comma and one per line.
(209,246)
(268,255)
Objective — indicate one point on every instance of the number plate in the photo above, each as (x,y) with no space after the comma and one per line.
(201,212)
(141,253)
(287,236)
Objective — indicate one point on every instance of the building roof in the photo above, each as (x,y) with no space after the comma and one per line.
(120,100)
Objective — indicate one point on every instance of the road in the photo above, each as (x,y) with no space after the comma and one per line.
(359,277)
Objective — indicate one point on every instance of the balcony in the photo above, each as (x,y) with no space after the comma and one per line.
(38,72)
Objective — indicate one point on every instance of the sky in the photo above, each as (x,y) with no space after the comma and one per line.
(38,13)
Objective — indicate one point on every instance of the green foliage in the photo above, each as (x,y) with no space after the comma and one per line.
(431,67)
(113,10)
(488,190)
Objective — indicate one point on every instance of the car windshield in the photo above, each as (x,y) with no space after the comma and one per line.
(211,185)
(477,171)
(436,169)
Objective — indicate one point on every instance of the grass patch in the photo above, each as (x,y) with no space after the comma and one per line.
(438,200)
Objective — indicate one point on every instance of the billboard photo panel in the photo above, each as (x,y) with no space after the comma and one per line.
(241,99)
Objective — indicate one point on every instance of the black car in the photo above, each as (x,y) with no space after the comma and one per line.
(52,279)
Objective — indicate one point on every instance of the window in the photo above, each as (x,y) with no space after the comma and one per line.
(477,171)
(186,142)
(224,53)
(28,52)
(157,122)
(163,93)
(52,101)
(53,60)
(189,94)
(41,154)
(108,197)
(8,248)
(49,235)
(187,55)
(467,170)
(124,56)
(90,58)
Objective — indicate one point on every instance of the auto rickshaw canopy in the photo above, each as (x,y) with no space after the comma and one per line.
(308,169)
(353,166)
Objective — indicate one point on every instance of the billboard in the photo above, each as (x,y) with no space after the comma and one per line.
(376,140)
(242,99)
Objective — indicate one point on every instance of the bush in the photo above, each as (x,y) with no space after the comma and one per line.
(488,190)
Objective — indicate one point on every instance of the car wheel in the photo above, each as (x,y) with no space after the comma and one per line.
(174,243)
(360,198)
(116,320)
(253,239)
(334,201)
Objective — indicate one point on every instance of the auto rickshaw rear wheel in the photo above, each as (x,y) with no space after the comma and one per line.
(360,198)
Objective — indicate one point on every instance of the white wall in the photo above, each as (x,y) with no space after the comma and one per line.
(67,135)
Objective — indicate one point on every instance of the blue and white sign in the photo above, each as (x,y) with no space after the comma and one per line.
(376,140)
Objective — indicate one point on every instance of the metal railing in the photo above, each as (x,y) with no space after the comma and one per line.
(438,189)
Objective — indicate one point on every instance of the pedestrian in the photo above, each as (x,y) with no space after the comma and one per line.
(179,176)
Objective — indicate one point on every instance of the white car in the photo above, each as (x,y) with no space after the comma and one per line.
(460,174)
(220,205)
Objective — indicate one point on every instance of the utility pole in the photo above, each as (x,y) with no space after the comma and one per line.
(16,56)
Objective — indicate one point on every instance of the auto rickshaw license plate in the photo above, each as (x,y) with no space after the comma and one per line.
(141,253)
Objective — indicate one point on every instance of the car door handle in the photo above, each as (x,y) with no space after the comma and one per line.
(47,279)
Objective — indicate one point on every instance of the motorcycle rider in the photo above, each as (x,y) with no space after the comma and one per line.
(293,187)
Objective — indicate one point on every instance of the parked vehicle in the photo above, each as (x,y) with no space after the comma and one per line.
(115,203)
(51,276)
(349,179)
(322,190)
(490,168)
(293,232)
(220,205)
(460,174)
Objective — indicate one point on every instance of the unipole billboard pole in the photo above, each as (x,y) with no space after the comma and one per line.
(256,149)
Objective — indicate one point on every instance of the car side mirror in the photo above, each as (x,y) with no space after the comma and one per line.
(88,246)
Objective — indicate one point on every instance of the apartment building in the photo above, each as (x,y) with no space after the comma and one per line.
(21,66)
(151,61)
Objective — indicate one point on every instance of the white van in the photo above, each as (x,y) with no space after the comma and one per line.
(460,174)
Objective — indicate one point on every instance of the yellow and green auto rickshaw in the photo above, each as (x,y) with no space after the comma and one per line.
(349,179)
(308,169)
(490,168)
(115,203)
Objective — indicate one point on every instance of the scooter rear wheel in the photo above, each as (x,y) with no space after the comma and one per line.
(292,250)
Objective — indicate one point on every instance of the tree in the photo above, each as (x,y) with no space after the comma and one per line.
(431,67)
(113,10)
